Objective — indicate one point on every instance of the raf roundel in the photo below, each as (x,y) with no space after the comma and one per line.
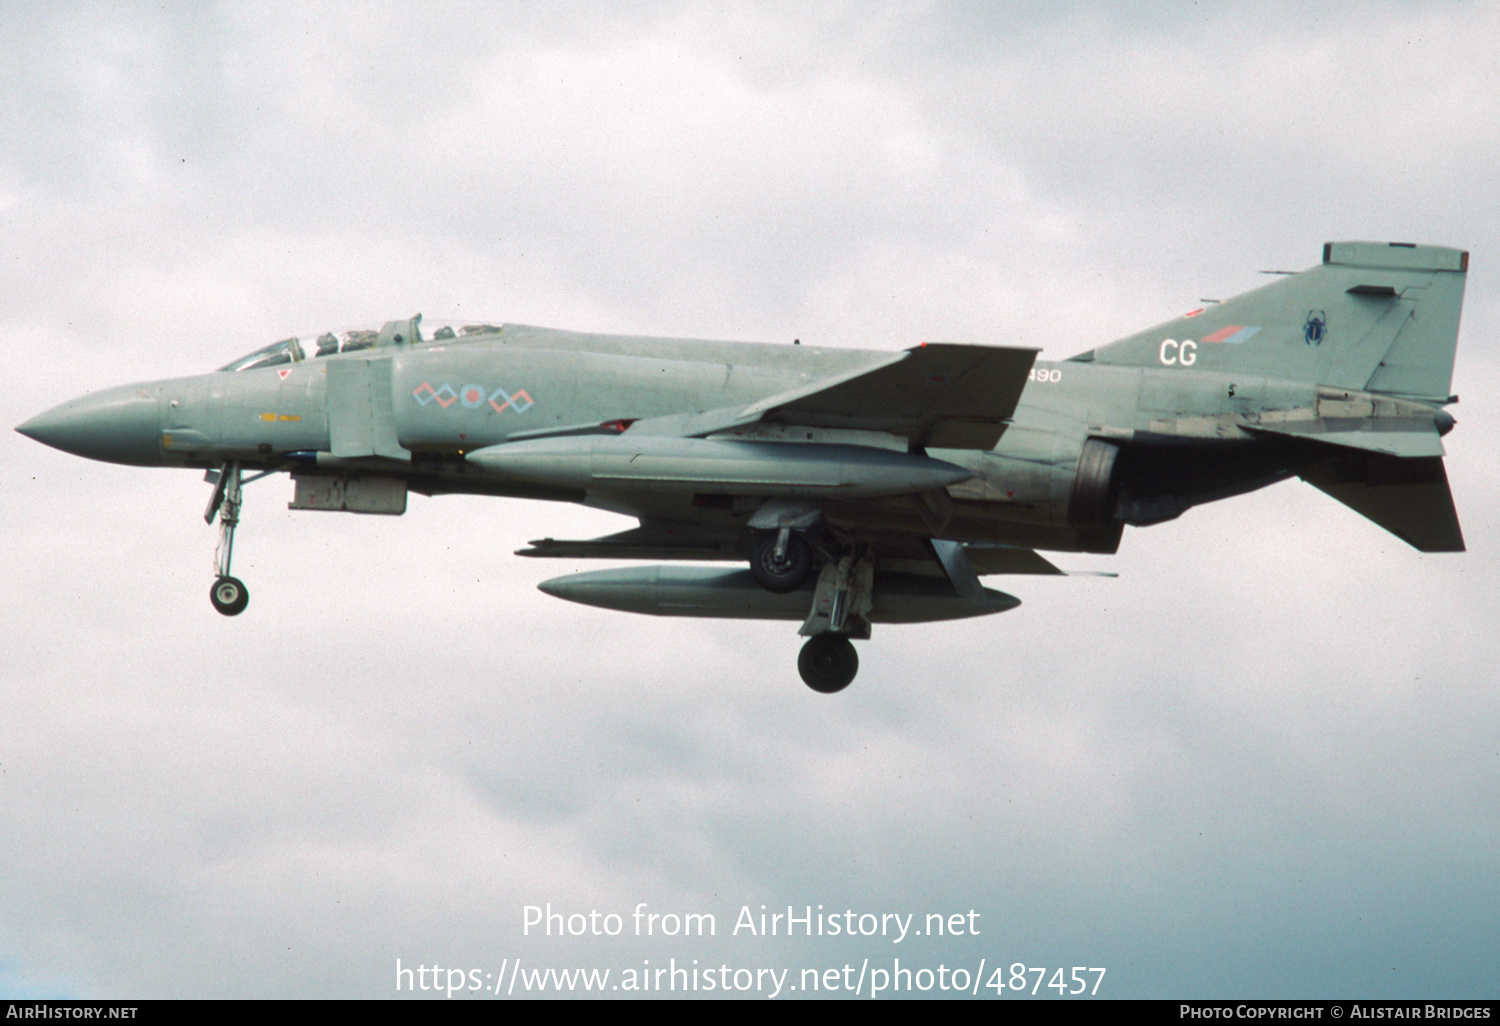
(472,396)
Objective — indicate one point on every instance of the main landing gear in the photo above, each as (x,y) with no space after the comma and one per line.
(229,594)
(842,602)
(828,663)
(781,560)
(781,557)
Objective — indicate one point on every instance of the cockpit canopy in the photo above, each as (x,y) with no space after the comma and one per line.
(395,333)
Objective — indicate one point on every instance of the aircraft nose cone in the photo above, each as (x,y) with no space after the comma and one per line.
(118,425)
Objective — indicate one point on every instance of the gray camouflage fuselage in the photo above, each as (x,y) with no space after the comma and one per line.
(944,460)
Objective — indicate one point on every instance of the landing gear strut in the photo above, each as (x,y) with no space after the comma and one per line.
(843,600)
(229,594)
(781,560)
(828,663)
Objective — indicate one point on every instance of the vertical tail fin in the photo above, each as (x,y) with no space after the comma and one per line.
(1373,316)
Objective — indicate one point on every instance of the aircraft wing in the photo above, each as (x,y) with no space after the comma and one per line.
(1008,559)
(939,395)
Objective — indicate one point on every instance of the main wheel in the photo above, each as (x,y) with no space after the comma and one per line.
(828,663)
(229,596)
(782,574)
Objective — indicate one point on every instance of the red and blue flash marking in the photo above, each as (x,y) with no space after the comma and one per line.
(1233,333)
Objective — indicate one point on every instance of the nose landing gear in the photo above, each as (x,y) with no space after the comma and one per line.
(229,594)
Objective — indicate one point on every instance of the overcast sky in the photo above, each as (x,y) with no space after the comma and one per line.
(1263,761)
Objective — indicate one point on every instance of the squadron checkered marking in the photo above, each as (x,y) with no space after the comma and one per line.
(472,396)
(444,395)
(513,401)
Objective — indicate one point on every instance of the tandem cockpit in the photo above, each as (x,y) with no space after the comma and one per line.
(329,343)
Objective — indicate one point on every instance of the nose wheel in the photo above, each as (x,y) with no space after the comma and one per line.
(229,594)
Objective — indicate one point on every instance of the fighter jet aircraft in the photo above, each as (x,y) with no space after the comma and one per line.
(855,487)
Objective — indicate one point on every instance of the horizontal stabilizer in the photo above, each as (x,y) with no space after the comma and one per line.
(1370,436)
(937,394)
(1408,497)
